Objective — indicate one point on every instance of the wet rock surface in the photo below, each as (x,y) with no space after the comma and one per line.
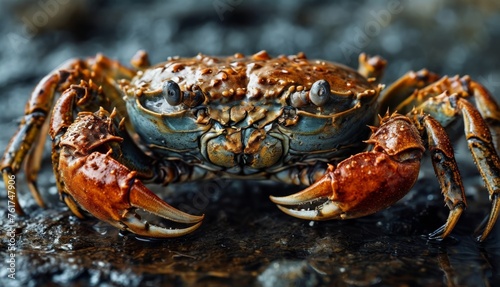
(245,240)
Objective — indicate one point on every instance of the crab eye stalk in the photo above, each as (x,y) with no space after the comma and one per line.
(298,99)
(172,93)
(319,93)
(194,98)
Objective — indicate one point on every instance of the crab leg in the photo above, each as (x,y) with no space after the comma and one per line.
(445,168)
(489,109)
(27,144)
(33,163)
(366,182)
(36,111)
(400,95)
(445,99)
(413,89)
(480,143)
(371,68)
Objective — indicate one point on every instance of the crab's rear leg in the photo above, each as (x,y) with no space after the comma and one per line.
(371,68)
(33,163)
(446,99)
(400,95)
(36,112)
(487,106)
(480,142)
(445,168)
(415,88)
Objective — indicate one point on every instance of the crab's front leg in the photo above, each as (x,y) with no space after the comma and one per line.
(91,155)
(370,181)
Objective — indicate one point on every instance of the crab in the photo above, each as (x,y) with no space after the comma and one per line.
(289,119)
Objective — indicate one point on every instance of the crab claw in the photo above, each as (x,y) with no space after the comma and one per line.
(312,203)
(366,182)
(91,177)
(141,197)
(111,192)
(360,185)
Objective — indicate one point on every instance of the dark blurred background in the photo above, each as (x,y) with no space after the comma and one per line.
(245,240)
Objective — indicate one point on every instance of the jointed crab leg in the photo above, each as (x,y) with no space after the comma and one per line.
(445,100)
(489,109)
(400,95)
(480,143)
(36,111)
(446,170)
(33,163)
(33,126)
(413,89)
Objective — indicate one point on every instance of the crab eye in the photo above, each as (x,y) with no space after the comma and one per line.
(172,93)
(319,93)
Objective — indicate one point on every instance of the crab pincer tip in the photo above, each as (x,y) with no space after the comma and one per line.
(141,197)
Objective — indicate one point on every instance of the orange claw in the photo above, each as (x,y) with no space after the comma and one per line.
(109,191)
(96,182)
(364,183)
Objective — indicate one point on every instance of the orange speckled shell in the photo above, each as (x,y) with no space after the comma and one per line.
(255,77)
